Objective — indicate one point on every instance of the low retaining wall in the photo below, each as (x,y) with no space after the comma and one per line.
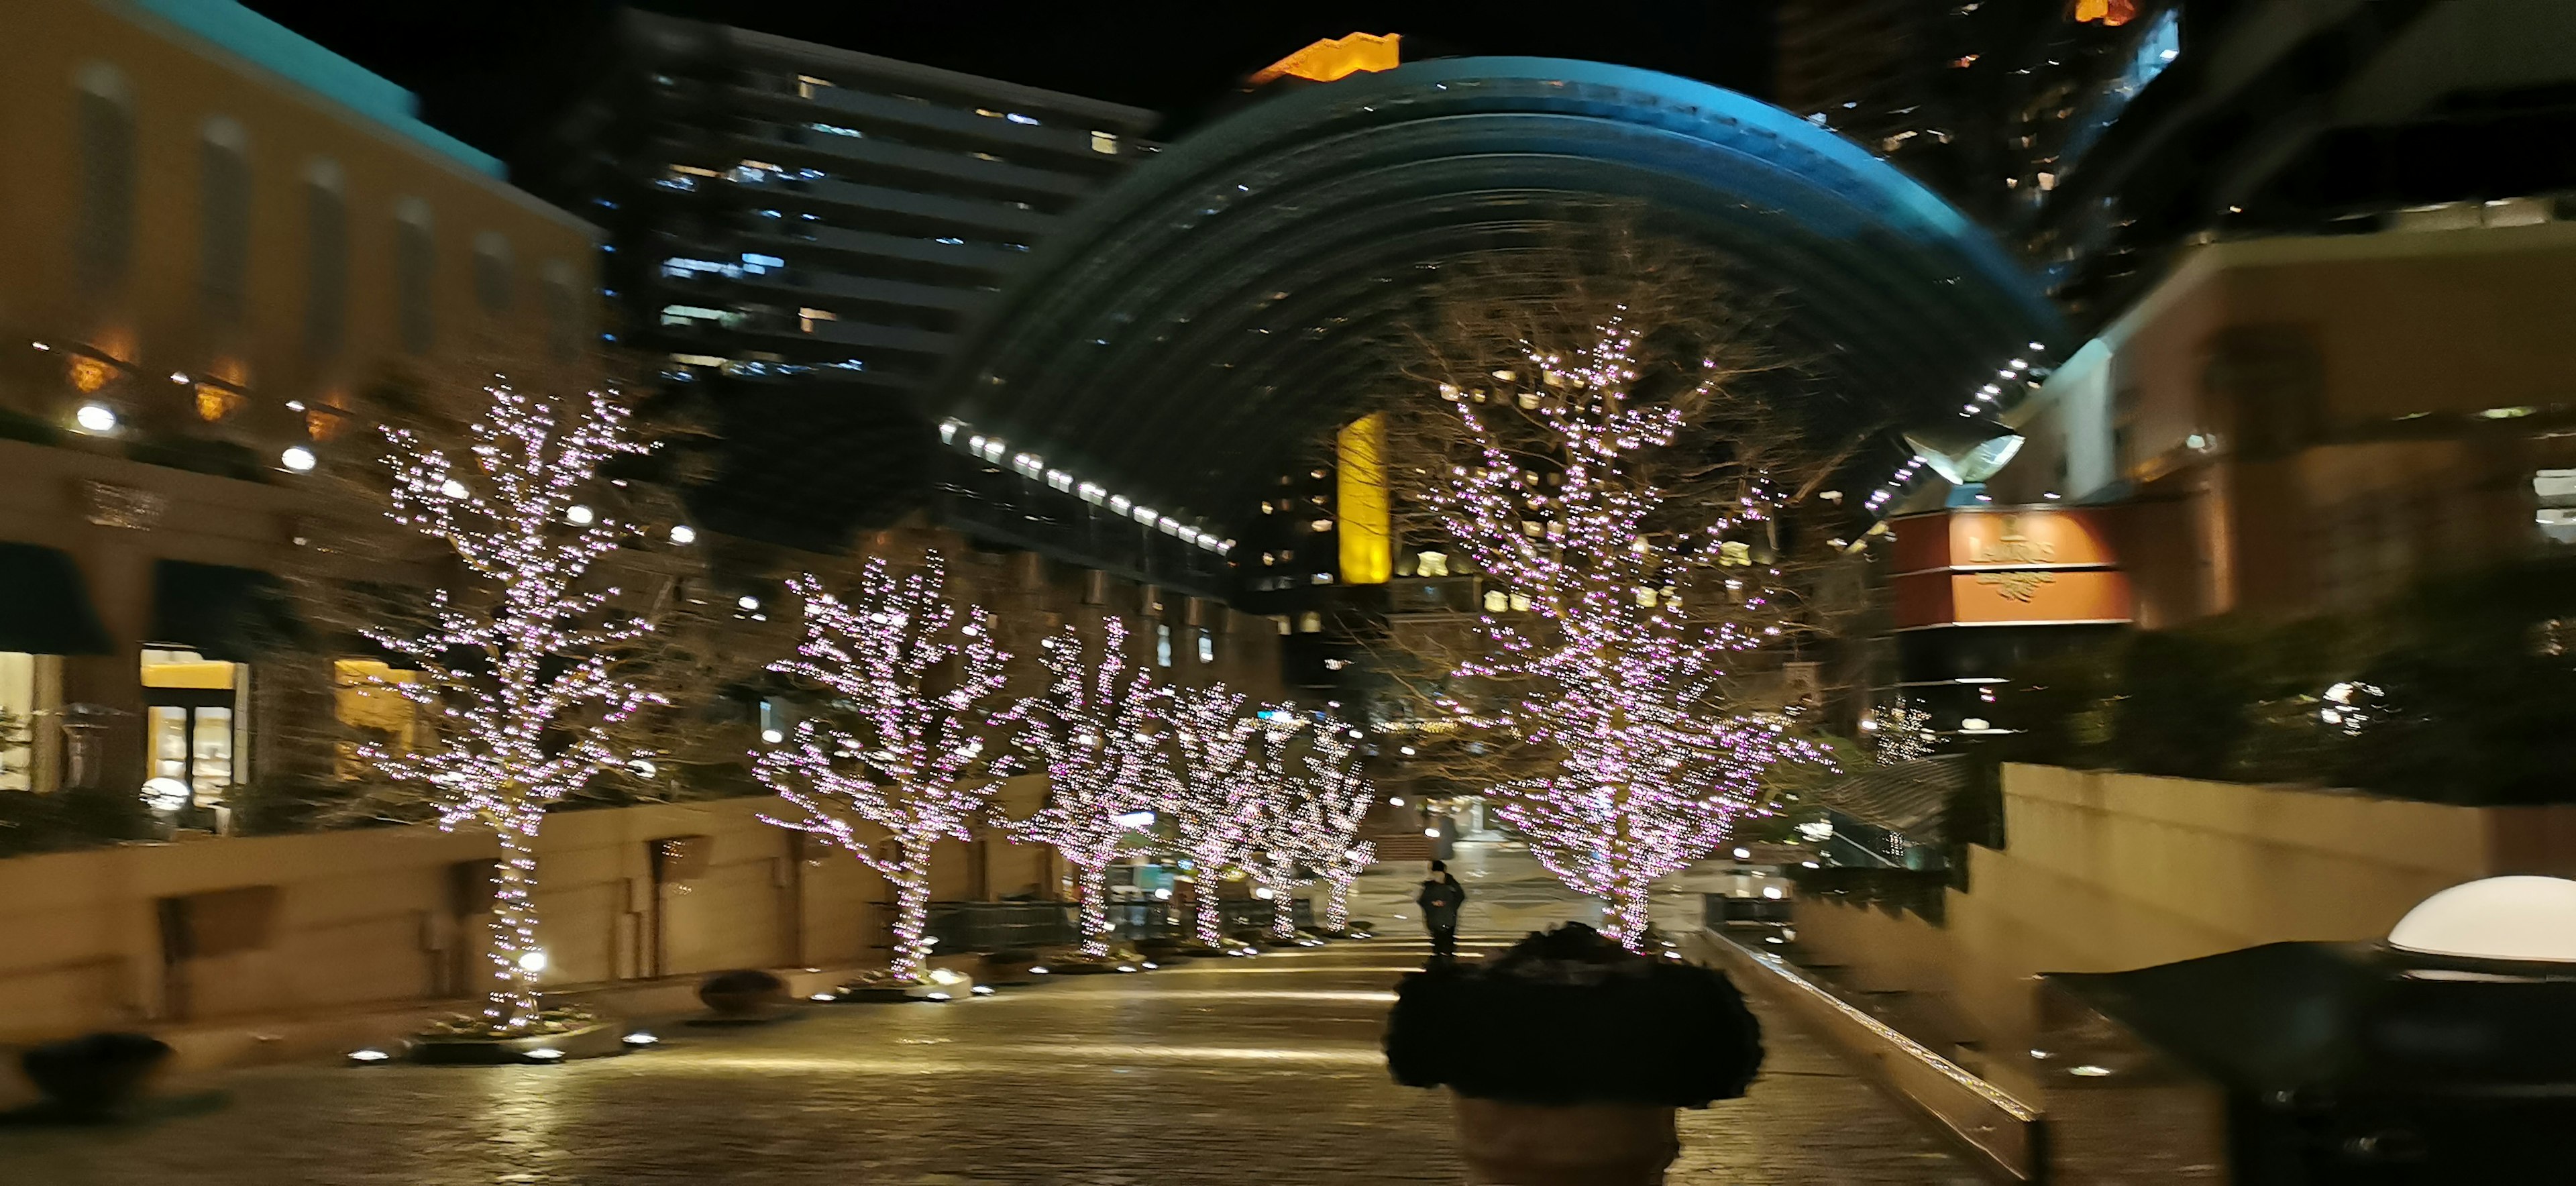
(260,929)
(2105,872)
(2004,1132)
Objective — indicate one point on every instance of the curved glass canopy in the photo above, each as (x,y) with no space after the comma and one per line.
(1236,296)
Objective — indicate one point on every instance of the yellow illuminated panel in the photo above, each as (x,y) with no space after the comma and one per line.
(198,674)
(1368,554)
(1337,57)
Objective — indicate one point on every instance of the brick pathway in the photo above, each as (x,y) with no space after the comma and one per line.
(1241,1073)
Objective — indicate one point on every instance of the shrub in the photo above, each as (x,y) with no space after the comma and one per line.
(1569,1017)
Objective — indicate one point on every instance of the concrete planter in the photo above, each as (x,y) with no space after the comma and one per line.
(1508,1144)
(602,1039)
(95,1077)
(946,985)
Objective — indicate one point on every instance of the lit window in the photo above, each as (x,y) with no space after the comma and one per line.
(1495,602)
(1104,142)
(1207,647)
(2555,491)
(1310,622)
(195,718)
(1162,645)
(19,689)
(1432,564)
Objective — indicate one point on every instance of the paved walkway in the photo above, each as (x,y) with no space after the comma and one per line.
(1238,1072)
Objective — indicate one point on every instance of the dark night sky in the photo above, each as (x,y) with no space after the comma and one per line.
(488,71)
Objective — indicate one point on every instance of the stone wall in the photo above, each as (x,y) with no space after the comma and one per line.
(2105,872)
(289,927)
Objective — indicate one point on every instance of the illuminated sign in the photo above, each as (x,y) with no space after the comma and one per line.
(2007,566)
(1336,57)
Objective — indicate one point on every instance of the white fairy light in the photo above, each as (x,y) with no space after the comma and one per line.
(1091,734)
(1213,792)
(1658,757)
(909,762)
(538,718)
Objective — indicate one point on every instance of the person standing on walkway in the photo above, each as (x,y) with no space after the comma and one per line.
(1440,899)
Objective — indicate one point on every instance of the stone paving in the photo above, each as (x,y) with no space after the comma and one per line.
(1226,1072)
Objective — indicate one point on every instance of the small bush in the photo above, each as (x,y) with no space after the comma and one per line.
(2462,691)
(1569,1017)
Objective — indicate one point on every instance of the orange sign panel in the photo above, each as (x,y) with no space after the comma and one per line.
(2013,538)
(1337,57)
(2001,597)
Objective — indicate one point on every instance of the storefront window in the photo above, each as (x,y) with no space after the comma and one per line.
(17,721)
(196,724)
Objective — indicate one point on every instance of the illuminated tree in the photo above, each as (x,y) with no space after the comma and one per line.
(900,745)
(1338,795)
(1284,839)
(1899,732)
(1629,610)
(518,665)
(1213,793)
(1092,733)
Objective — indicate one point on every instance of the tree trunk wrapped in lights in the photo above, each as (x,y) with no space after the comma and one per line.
(1338,795)
(1282,839)
(519,665)
(1092,734)
(1213,795)
(901,746)
(1641,593)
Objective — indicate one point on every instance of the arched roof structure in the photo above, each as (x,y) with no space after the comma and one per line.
(1234,297)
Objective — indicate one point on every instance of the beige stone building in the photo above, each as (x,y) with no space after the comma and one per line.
(220,240)
(2299,423)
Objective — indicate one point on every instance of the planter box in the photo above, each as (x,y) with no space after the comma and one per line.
(604,1039)
(1567,1145)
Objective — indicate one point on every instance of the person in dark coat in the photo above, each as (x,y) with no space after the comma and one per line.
(1440,899)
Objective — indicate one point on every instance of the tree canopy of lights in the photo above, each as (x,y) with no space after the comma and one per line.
(1335,797)
(900,747)
(519,663)
(1637,528)
(1899,732)
(1213,792)
(1283,843)
(1093,733)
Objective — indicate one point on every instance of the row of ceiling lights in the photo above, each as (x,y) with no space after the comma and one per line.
(1033,467)
(100,419)
(1986,398)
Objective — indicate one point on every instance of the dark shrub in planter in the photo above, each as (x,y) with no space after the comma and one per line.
(742,992)
(1568,1017)
(92,1077)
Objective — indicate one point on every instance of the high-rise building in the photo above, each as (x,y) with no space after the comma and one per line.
(1957,93)
(800,232)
